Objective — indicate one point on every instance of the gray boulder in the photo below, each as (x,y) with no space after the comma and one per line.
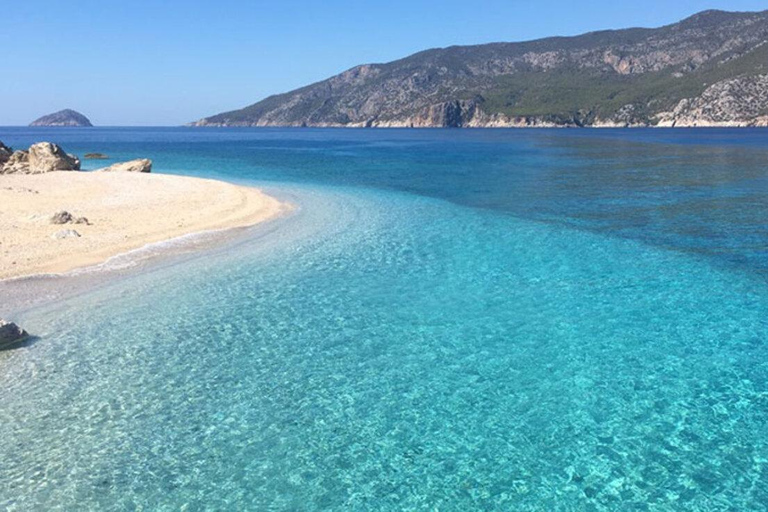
(11,333)
(138,165)
(62,217)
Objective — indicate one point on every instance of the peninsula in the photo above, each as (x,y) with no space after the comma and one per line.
(708,70)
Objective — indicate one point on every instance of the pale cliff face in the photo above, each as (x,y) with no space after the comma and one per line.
(741,101)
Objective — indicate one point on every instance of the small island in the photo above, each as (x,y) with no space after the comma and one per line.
(66,117)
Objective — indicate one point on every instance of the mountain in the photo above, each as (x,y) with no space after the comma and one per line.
(65,117)
(708,70)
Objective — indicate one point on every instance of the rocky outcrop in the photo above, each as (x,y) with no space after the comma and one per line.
(741,101)
(460,114)
(40,158)
(138,165)
(11,334)
(17,162)
(608,78)
(451,114)
(47,157)
(66,117)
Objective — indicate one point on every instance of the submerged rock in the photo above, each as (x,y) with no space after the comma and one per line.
(95,156)
(65,233)
(138,165)
(11,333)
(40,158)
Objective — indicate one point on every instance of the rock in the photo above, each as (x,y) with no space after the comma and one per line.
(65,233)
(41,158)
(737,101)
(11,333)
(18,162)
(47,157)
(5,153)
(138,165)
(66,117)
(95,156)
(62,217)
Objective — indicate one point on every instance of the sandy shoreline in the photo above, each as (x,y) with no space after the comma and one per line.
(125,211)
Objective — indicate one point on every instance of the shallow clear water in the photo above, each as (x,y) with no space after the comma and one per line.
(455,320)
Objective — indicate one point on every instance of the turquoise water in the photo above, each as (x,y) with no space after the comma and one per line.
(454,320)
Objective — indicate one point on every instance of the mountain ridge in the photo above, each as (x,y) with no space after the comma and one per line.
(709,69)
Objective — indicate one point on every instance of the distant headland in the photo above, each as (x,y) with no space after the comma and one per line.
(708,70)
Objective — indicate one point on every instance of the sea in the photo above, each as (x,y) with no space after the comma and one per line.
(449,320)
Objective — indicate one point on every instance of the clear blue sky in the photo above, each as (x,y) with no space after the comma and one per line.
(152,62)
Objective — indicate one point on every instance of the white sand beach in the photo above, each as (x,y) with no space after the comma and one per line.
(124,210)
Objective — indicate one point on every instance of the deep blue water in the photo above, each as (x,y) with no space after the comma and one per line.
(455,320)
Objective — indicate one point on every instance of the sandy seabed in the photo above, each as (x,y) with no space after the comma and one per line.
(125,211)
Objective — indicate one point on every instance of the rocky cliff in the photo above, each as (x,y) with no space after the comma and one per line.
(709,69)
(741,101)
(65,117)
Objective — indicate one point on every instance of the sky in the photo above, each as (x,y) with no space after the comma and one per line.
(151,62)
